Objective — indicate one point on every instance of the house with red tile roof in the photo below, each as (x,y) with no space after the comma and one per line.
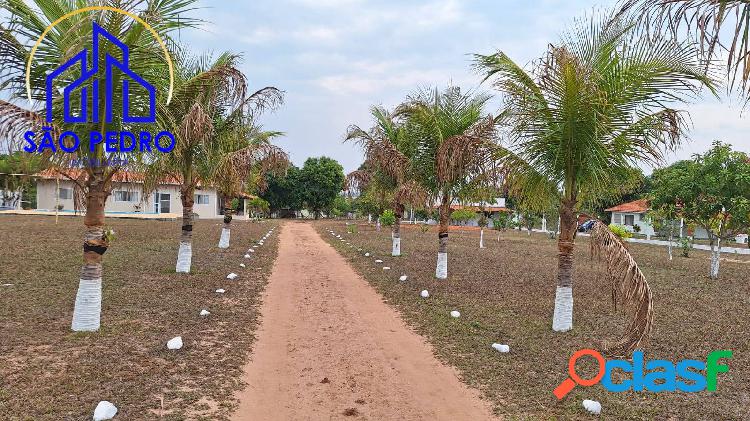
(631,215)
(56,189)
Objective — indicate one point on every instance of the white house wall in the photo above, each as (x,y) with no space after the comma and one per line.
(46,192)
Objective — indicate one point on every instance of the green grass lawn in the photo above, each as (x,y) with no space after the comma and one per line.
(505,294)
(47,372)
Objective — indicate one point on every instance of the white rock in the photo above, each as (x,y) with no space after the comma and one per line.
(247,256)
(367,254)
(455,314)
(242,265)
(386,268)
(425,293)
(501,348)
(251,250)
(220,291)
(378,261)
(205,312)
(105,410)
(7,285)
(592,406)
(175,343)
(232,276)
(403,278)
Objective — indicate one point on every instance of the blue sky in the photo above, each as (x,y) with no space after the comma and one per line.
(336,58)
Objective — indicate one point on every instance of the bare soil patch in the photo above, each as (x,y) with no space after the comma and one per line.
(47,372)
(505,294)
(329,348)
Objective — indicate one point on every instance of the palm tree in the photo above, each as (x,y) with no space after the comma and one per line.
(591,110)
(387,151)
(241,148)
(453,140)
(204,89)
(24,27)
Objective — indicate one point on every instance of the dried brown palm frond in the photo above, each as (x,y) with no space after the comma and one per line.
(356,181)
(629,286)
(237,166)
(268,98)
(380,151)
(411,193)
(15,121)
(466,154)
(196,127)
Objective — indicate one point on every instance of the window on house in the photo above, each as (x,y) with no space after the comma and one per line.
(630,220)
(201,199)
(617,219)
(65,193)
(125,196)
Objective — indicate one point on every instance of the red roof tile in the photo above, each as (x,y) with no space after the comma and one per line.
(636,206)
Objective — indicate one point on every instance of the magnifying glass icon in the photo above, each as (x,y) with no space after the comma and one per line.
(568,384)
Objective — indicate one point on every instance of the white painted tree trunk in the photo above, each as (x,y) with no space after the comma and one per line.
(88,306)
(715,260)
(377,225)
(184,257)
(671,237)
(396,250)
(562,319)
(481,238)
(224,240)
(544,223)
(682,226)
(441,271)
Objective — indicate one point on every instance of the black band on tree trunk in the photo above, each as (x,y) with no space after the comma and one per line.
(187,227)
(443,235)
(100,250)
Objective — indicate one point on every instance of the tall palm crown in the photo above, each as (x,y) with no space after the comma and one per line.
(591,110)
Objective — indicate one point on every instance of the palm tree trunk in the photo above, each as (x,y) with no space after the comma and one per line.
(562,319)
(88,304)
(398,211)
(225,231)
(441,270)
(185,255)
(481,238)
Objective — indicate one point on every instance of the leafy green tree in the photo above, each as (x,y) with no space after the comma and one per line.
(388,218)
(322,179)
(341,206)
(16,177)
(578,124)
(258,206)
(284,191)
(26,22)
(453,139)
(713,191)
(463,216)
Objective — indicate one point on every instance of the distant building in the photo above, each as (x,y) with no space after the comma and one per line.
(55,189)
(632,214)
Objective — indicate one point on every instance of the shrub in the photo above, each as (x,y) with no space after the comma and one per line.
(424,228)
(685,246)
(462,216)
(351,228)
(620,231)
(388,218)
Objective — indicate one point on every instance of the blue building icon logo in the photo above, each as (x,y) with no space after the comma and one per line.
(89,86)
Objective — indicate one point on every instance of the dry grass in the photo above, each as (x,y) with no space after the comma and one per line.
(505,294)
(48,372)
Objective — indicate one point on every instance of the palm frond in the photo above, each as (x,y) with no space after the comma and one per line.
(629,286)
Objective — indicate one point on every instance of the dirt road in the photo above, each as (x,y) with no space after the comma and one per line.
(329,348)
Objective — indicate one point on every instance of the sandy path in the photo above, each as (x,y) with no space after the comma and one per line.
(322,321)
